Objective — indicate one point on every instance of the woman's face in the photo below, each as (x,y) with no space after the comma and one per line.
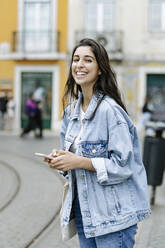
(85,69)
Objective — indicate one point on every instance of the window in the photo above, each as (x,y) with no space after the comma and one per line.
(157,15)
(156,89)
(100,15)
(37,25)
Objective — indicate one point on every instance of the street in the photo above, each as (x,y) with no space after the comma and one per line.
(30,199)
(30,195)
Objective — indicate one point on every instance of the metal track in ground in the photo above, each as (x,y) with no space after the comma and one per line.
(12,173)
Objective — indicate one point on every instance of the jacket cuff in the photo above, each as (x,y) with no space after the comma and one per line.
(101,172)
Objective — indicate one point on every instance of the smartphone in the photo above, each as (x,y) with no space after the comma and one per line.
(43,155)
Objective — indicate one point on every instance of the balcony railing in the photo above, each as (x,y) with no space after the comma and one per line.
(35,41)
(112,41)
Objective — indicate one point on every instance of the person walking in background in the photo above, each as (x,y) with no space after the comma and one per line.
(100,155)
(38,118)
(10,113)
(146,114)
(3,109)
(30,110)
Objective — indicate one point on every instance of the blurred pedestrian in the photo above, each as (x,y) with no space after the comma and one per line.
(10,115)
(30,110)
(39,93)
(107,193)
(3,109)
(38,117)
(145,115)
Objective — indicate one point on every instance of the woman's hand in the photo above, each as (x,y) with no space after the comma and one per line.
(65,161)
(53,154)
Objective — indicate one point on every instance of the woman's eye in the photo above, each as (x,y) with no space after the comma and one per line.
(88,60)
(75,60)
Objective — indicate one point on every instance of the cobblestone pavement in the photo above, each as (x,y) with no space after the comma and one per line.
(30,199)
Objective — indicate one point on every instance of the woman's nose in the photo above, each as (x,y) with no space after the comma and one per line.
(80,63)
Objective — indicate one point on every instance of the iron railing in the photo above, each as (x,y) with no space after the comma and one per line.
(35,41)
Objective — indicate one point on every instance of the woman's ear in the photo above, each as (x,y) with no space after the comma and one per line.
(99,73)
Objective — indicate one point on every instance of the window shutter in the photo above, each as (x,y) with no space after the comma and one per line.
(156,15)
(37,25)
(100,15)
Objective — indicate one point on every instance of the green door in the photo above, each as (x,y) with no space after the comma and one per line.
(40,84)
(156,89)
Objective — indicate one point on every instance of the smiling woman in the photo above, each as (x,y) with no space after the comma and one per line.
(100,155)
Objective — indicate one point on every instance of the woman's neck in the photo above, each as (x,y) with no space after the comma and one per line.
(87,96)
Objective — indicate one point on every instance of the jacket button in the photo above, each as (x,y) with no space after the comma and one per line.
(82,177)
(92,233)
(88,215)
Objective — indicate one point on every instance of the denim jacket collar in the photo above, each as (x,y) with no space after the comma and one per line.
(91,107)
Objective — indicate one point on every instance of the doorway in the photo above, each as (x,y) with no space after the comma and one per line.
(40,84)
(156,89)
(27,79)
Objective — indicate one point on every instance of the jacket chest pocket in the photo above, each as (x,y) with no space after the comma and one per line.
(94,149)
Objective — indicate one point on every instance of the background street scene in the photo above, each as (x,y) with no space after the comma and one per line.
(36,42)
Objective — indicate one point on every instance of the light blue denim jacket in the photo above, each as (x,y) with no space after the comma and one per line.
(115,197)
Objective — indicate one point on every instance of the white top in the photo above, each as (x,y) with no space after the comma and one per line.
(78,138)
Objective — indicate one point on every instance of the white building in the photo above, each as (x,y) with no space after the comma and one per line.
(133,32)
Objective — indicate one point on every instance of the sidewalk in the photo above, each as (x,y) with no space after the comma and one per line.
(151,232)
(46,133)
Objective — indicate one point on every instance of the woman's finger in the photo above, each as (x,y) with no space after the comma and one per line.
(48,160)
(56,167)
(55,162)
(54,152)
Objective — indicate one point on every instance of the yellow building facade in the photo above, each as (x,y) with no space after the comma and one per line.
(33,46)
